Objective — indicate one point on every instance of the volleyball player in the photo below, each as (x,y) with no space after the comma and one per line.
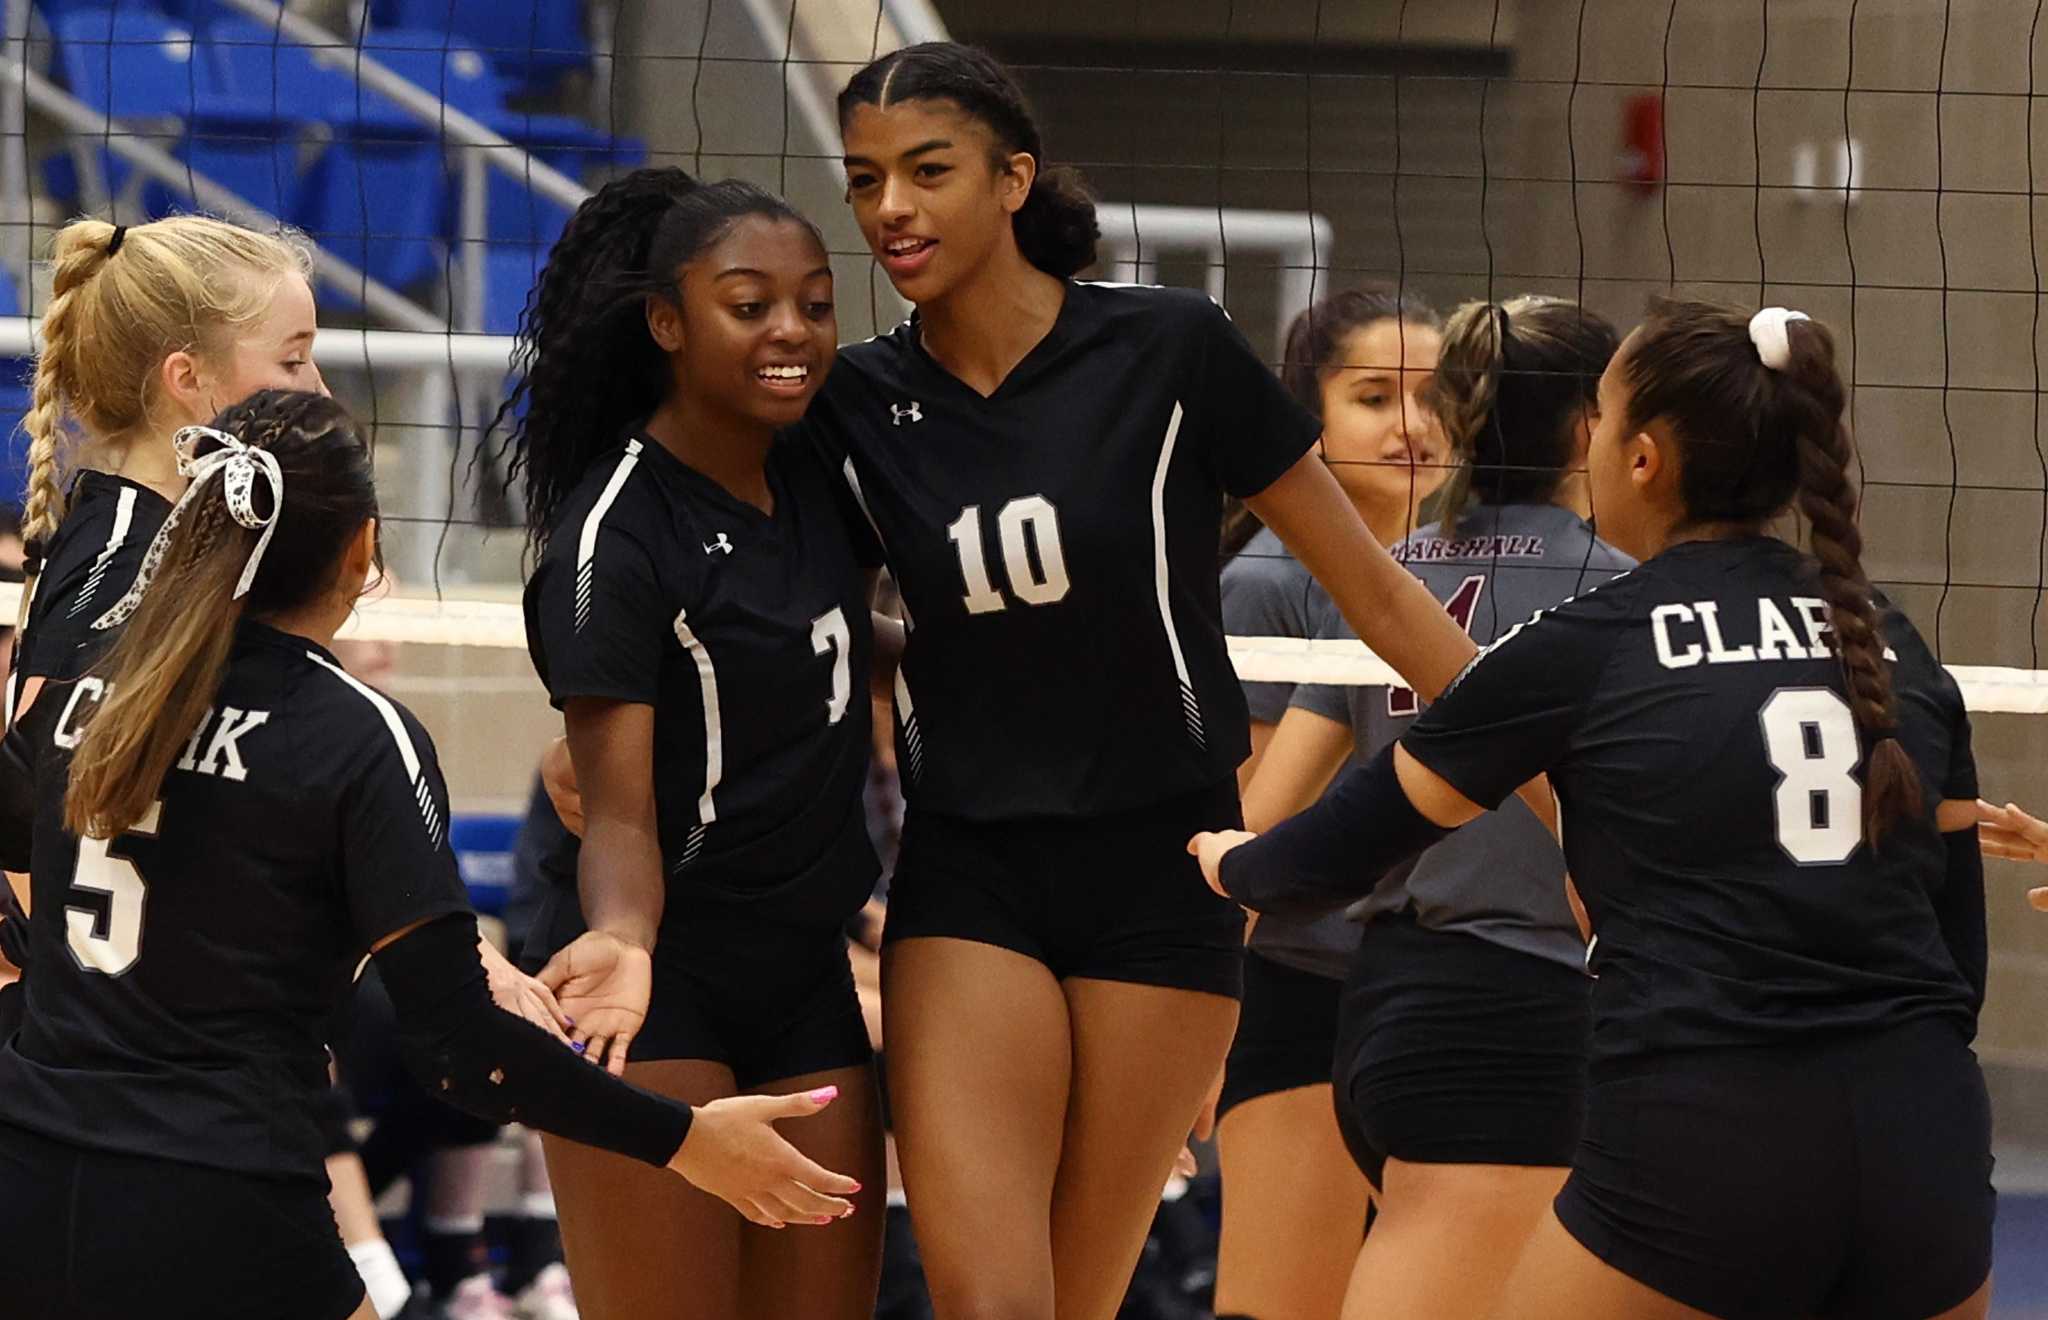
(1045,461)
(229,822)
(151,327)
(1293,1202)
(1769,810)
(699,612)
(1460,1059)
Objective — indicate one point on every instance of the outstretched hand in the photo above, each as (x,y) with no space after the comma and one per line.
(602,983)
(734,1152)
(1209,848)
(2011,833)
(521,995)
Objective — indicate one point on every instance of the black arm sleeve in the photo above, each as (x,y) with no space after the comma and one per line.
(483,1060)
(1960,909)
(1336,850)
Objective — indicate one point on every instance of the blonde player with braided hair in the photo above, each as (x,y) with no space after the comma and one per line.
(151,328)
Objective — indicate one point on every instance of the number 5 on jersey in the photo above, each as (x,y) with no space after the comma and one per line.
(106,936)
(1027,523)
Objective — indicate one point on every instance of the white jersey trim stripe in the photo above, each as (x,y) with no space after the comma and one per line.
(422,793)
(1162,582)
(586,541)
(906,710)
(714,736)
(124,517)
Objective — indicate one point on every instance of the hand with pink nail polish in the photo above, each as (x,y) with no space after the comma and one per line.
(734,1152)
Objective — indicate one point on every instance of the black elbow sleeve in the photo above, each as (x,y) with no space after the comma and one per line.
(475,1056)
(1337,850)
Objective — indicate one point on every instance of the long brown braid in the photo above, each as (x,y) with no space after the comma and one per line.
(1753,441)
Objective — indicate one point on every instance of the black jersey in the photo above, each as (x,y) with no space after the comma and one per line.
(89,564)
(1056,547)
(749,635)
(187,972)
(1691,716)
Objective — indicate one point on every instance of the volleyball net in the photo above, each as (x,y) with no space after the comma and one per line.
(1871,164)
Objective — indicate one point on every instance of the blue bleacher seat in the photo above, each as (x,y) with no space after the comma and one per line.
(457,72)
(376,196)
(532,42)
(135,65)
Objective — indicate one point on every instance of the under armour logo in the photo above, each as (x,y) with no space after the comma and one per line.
(722,543)
(915,412)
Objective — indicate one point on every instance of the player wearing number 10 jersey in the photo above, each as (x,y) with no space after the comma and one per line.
(1767,793)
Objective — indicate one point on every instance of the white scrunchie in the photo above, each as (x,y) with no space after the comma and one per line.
(1767,332)
(242,464)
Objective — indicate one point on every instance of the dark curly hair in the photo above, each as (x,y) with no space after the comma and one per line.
(1056,227)
(588,369)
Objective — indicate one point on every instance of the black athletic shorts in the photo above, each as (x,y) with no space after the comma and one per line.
(1113,898)
(93,1235)
(1846,1177)
(1286,1032)
(767,999)
(1455,1050)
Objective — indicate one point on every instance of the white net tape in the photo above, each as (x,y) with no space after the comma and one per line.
(501,624)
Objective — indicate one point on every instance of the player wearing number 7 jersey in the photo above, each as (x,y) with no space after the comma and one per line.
(1768,808)
(699,613)
(227,823)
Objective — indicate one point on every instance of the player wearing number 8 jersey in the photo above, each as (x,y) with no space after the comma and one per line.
(1767,794)
(699,613)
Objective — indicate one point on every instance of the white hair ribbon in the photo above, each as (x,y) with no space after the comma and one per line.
(1767,332)
(238,465)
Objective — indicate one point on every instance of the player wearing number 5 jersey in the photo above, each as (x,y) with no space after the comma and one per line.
(699,613)
(227,824)
(1768,805)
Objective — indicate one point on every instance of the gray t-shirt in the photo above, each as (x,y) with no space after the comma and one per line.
(1267,593)
(1500,878)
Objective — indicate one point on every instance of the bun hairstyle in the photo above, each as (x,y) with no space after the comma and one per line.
(588,368)
(1753,439)
(164,670)
(1512,379)
(122,300)
(1311,352)
(1056,227)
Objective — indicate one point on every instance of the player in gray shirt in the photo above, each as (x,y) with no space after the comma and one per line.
(1293,1204)
(1462,1033)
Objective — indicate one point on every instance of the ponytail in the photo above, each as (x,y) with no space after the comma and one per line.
(164,671)
(1758,433)
(1056,227)
(1512,381)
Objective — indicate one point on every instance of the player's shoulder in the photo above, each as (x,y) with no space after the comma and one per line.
(350,721)
(1122,308)
(617,494)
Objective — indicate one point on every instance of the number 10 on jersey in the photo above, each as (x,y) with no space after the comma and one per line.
(1025,524)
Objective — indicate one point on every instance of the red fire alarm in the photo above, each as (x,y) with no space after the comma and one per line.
(1642,142)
